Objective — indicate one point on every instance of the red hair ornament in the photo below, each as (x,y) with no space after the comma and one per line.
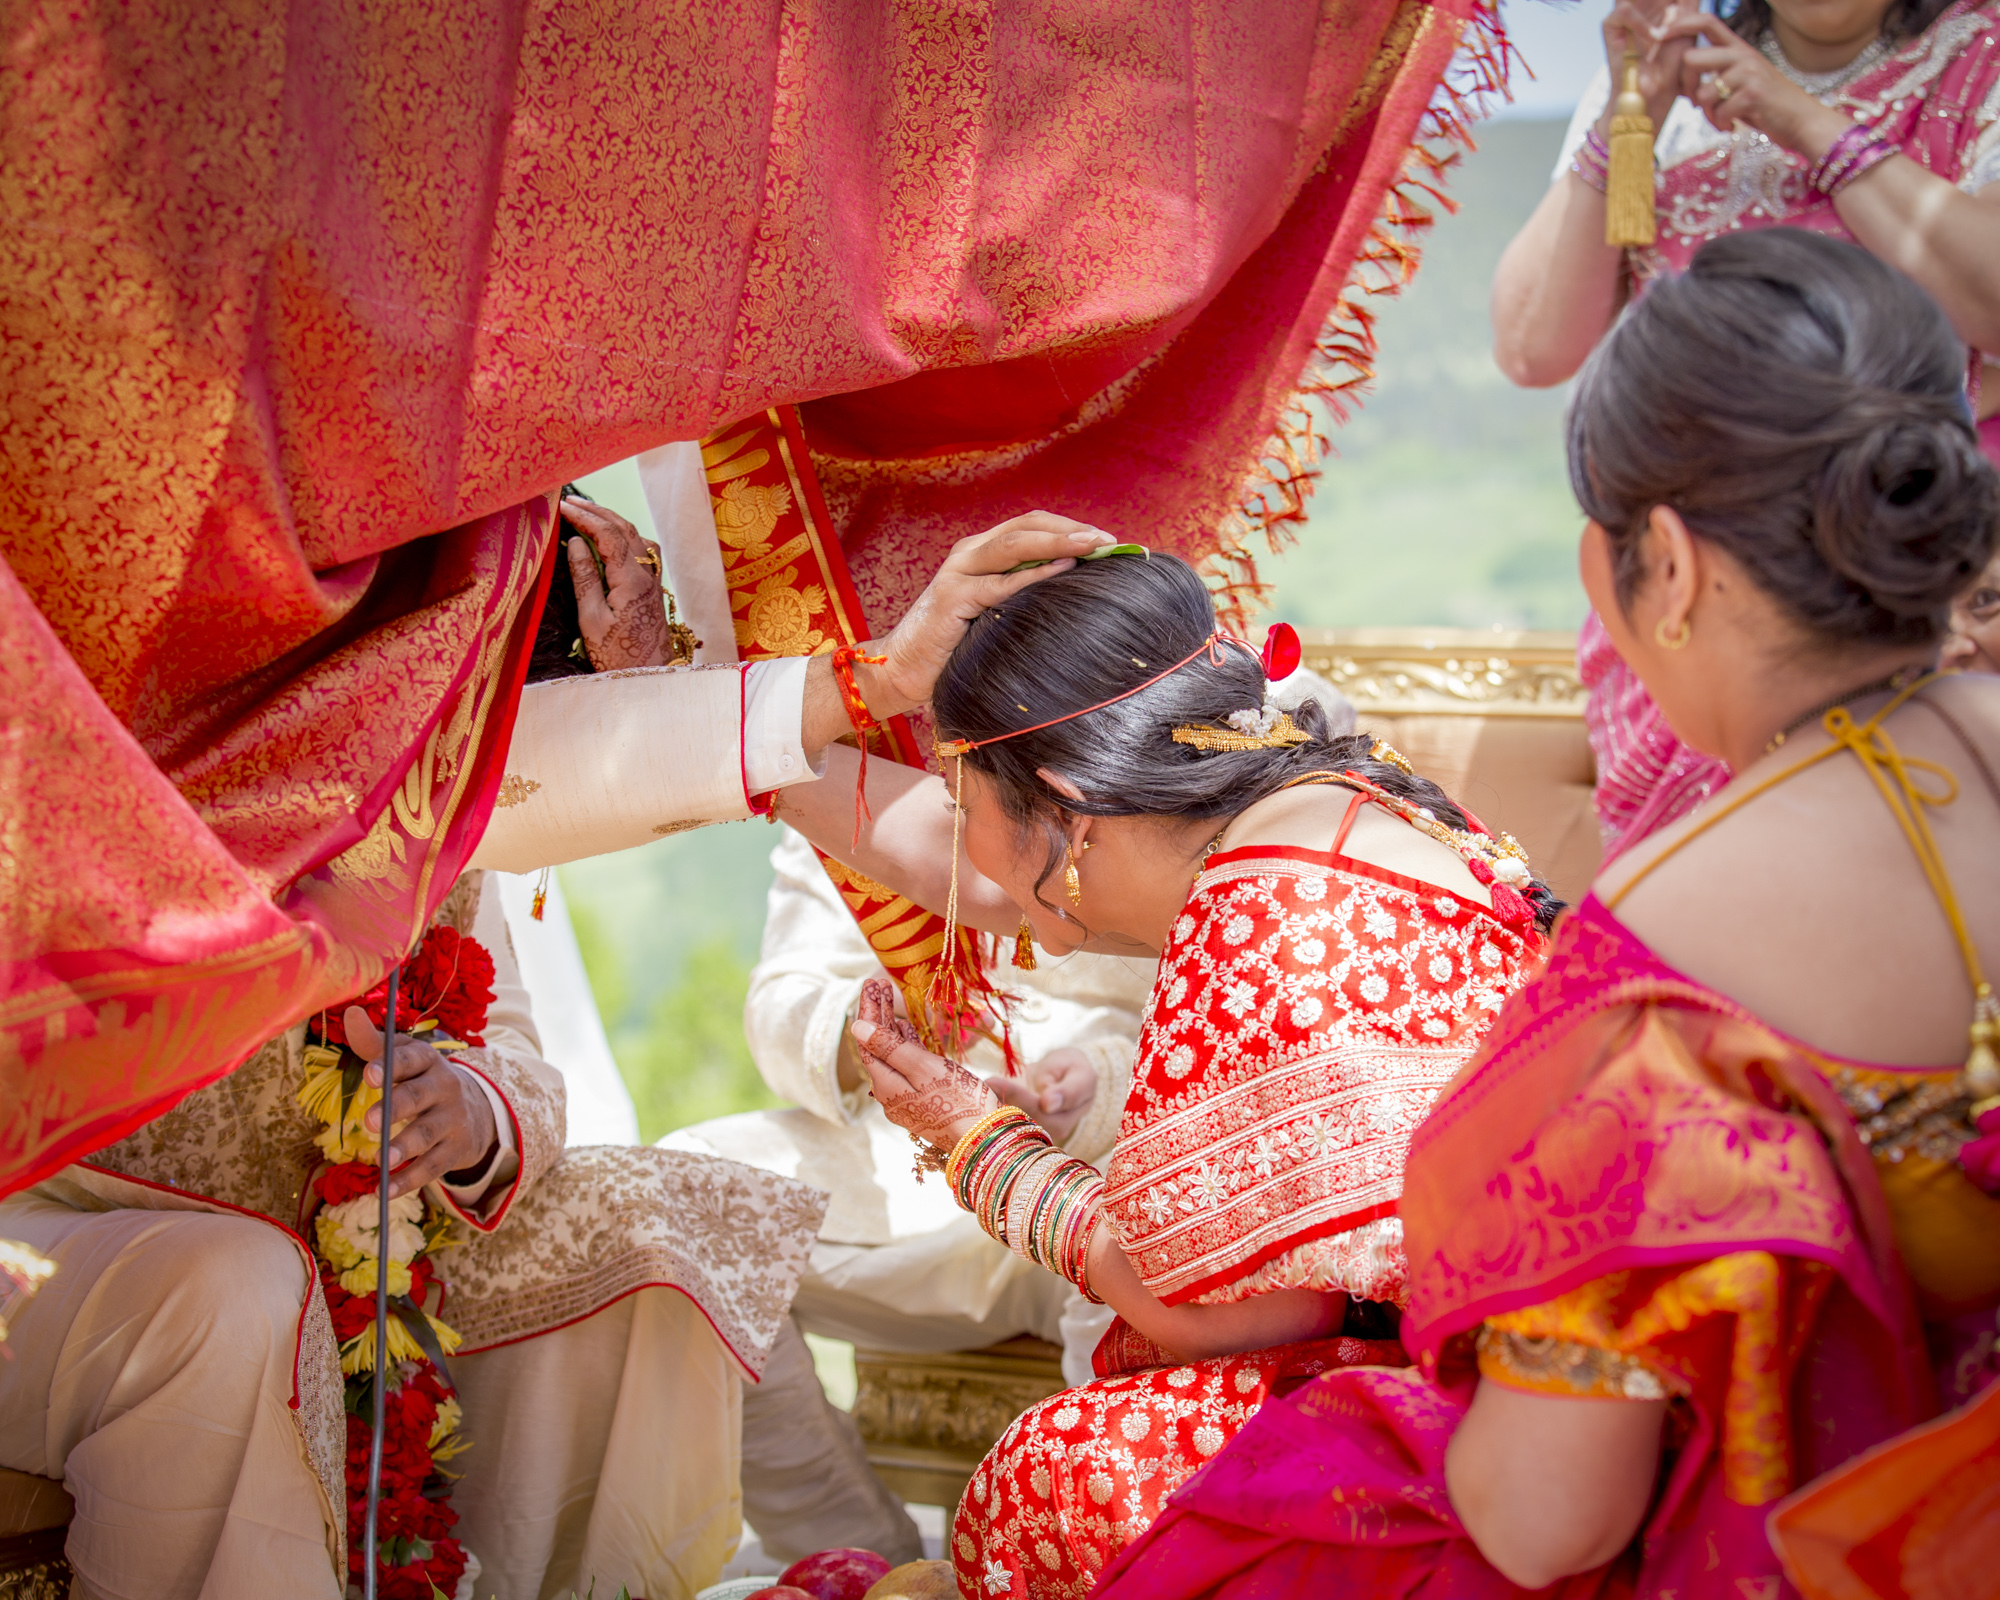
(1282,652)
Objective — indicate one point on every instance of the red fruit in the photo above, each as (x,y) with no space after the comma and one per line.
(835,1574)
(781,1591)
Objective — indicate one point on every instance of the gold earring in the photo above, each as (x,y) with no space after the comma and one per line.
(1024,947)
(1072,885)
(1676,641)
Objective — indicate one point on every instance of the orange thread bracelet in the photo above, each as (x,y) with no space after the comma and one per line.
(860,718)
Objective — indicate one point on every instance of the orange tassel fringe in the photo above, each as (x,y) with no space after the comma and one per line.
(1342,365)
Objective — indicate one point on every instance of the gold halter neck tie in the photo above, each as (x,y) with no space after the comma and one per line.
(1892,772)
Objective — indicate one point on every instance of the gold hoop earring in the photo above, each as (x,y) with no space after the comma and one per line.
(1024,947)
(1072,885)
(1678,640)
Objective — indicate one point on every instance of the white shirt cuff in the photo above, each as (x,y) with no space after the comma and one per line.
(774,703)
(506,1159)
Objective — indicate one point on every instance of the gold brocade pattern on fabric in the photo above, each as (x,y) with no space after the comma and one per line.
(535,239)
(1544,1364)
(783,569)
(321,1416)
(185,942)
(788,581)
(1771,1307)
(1947,1229)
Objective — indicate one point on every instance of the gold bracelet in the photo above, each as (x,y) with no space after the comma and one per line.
(984,1125)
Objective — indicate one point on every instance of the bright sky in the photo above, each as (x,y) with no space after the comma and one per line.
(1561,42)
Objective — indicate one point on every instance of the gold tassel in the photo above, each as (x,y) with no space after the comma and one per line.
(1982,1066)
(1628,193)
(1024,947)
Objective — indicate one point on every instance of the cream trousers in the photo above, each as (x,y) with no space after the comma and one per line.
(609,1451)
(153,1375)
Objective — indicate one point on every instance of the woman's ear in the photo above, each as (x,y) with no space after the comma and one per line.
(1057,782)
(1673,563)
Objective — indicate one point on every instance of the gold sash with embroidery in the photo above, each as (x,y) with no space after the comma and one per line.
(790,595)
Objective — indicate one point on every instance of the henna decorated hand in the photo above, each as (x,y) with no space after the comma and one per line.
(623,614)
(928,1097)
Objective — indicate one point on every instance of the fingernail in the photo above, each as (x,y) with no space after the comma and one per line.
(864,1030)
(395,1156)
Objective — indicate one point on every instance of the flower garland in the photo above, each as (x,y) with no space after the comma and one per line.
(445,987)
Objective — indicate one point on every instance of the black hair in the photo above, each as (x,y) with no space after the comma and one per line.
(1751,19)
(1099,630)
(1802,406)
(555,653)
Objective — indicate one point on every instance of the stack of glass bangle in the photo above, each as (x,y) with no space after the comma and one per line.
(1025,1192)
(1856,151)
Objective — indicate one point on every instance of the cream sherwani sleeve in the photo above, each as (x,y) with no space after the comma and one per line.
(611,760)
(808,977)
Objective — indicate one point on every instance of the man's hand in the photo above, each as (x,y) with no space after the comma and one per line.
(928,1097)
(977,574)
(1055,1091)
(440,1120)
(624,613)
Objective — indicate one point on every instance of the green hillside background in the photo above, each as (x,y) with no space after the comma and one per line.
(1445,502)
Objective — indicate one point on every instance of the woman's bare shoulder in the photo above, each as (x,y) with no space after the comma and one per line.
(1730,823)
(1799,892)
(1972,700)
(1310,819)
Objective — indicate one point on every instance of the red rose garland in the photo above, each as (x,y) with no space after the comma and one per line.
(445,987)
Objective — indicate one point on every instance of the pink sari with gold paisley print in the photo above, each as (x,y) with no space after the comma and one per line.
(1639,1189)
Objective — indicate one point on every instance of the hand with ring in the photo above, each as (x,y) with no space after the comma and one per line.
(623,614)
(1734,85)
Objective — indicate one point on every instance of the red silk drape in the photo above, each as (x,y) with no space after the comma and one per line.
(306,309)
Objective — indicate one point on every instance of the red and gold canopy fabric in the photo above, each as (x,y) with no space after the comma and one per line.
(307,309)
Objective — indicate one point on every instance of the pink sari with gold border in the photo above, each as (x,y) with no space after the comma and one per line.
(1630,1129)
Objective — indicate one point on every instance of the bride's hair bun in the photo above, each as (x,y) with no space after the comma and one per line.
(1802,405)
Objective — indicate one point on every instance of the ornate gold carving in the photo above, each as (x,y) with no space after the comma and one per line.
(928,1420)
(33,1567)
(513,790)
(1449,670)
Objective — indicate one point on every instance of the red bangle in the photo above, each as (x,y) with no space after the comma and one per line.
(858,714)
